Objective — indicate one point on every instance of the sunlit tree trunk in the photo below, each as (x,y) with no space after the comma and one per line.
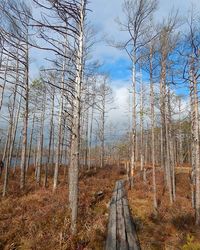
(50,139)
(60,128)
(142,148)
(41,142)
(133,142)
(196,141)
(152,97)
(75,142)
(25,122)
(180,156)
(171,146)
(91,126)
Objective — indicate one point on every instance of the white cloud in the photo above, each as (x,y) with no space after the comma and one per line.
(104,13)
(120,114)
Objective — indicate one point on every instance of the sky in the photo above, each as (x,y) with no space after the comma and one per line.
(102,15)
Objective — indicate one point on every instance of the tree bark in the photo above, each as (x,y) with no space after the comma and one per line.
(75,142)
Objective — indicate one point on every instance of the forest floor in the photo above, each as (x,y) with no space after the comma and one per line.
(173,228)
(39,219)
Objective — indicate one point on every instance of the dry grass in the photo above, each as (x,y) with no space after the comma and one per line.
(39,219)
(169,229)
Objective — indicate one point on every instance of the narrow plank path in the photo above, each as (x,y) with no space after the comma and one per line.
(121,229)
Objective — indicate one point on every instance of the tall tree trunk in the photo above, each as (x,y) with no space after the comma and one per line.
(102,131)
(196,142)
(6,172)
(14,121)
(30,144)
(18,153)
(141,125)
(91,127)
(152,97)
(133,142)
(25,122)
(164,119)
(171,147)
(4,83)
(41,142)
(10,138)
(75,142)
(50,139)
(86,139)
(180,156)
(60,127)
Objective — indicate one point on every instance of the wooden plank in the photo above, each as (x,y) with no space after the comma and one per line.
(123,245)
(111,241)
(121,230)
(131,234)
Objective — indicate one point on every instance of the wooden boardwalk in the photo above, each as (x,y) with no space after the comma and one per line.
(121,230)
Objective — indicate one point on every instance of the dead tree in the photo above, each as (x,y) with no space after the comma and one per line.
(137,14)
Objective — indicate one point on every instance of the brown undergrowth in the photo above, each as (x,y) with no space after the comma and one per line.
(39,219)
(174,224)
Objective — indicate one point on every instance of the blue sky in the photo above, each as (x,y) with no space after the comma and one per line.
(102,16)
(118,69)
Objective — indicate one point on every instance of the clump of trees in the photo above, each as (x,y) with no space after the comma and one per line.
(165,56)
(51,120)
(58,120)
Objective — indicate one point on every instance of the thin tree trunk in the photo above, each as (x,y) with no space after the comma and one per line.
(171,148)
(41,142)
(4,83)
(133,142)
(91,128)
(18,152)
(180,136)
(141,127)
(60,128)
(25,122)
(152,97)
(75,143)
(196,143)
(50,139)
(30,144)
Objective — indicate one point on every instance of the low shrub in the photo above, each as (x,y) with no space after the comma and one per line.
(191,244)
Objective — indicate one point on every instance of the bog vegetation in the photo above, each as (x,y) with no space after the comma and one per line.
(59,161)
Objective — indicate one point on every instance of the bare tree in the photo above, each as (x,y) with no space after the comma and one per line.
(137,14)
